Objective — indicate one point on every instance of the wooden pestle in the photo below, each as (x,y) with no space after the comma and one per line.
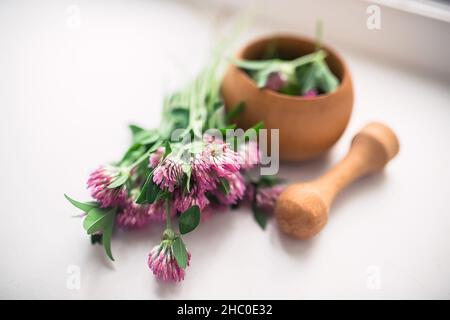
(302,209)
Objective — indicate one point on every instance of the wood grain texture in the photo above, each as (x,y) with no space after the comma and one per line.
(302,209)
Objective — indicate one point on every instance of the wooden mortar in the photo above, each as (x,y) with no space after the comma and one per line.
(308,126)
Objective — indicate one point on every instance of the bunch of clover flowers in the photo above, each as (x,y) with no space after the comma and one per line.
(188,184)
(180,181)
(158,179)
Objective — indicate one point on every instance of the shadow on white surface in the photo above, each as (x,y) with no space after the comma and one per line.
(294,172)
(299,249)
(96,255)
(364,185)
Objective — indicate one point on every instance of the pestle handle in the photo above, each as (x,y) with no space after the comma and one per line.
(370,151)
(302,208)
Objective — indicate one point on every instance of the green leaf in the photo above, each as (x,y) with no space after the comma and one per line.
(119,181)
(83,206)
(155,146)
(189,220)
(163,195)
(142,197)
(326,80)
(101,220)
(132,154)
(253,65)
(217,105)
(237,110)
(147,137)
(307,59)
(153,192)
(260,70)
(223,130)
(95,219)
(142,136)
(180,112)
(224,186)
(149,192)
(135,129)
(292,89)
(308,78)
(168,149)
(180,117)
(260,216)
(107,233)
(256,127)
(268,181)
(180,252)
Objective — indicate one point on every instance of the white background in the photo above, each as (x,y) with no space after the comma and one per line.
(69,86)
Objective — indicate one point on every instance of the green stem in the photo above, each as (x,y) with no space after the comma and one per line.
(253,64)
(315,56)
(319,34)
(168,218)
(139,160)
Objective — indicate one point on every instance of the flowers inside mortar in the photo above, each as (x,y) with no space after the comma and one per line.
(307,76)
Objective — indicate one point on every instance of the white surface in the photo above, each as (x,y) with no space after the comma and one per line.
(67,93)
